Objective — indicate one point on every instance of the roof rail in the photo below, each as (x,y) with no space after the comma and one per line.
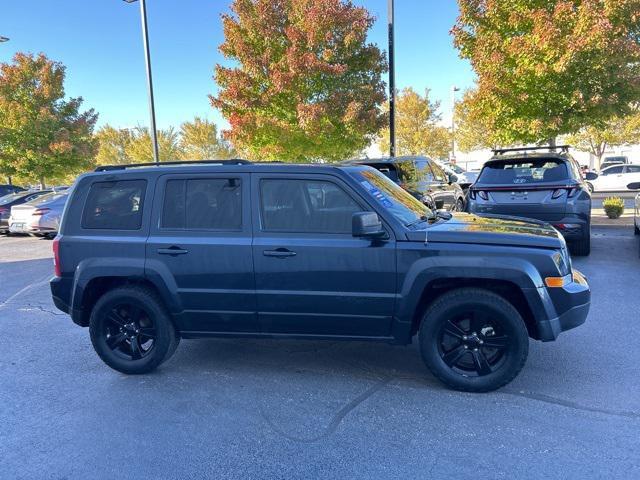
(235,161)
(502,151)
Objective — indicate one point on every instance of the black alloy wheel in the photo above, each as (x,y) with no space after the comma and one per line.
(131,330)
(473,340)
(472,343)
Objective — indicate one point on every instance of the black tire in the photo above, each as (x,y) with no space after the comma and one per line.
(459,206)
(131,330)
(636,230)
(458,334)
(590,187)
(582,247)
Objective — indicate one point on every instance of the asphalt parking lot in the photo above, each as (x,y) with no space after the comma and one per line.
(302,409)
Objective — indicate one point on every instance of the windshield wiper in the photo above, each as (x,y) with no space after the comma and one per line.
(423,218)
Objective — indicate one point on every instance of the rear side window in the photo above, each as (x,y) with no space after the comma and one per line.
(114,205)
(305,206)
(522,172)
(203,204)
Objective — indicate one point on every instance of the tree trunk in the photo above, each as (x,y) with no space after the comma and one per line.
(552,144)
(9,179)
(42,184)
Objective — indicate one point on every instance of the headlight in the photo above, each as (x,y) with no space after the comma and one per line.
(563,262)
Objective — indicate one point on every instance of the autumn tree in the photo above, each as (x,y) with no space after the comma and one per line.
(199,140)
(306,84)
(597,139)
(112,145)
(551,67)
(140,148)
(418,129)
(473,127)
(42,134)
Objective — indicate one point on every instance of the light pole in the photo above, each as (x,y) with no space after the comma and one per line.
(147,57)
(392,84)
(454,89)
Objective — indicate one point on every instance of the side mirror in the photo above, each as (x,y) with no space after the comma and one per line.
(590,176)
(367,225)
(452,178)
(634,186)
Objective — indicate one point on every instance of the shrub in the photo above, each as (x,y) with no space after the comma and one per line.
(613,207)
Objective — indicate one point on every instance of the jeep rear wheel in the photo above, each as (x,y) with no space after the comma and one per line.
(131,330)
(473,340)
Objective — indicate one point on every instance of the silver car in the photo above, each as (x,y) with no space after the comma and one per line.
(39,217)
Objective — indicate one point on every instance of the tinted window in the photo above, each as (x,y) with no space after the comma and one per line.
(438,173)
(613,170)
(522,172)
(423,171)
(633,169)
(203,203)
(114,205)
(306,206)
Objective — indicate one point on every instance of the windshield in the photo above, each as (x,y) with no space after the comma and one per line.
(49,197)
(456,168)
(401,204)
(11,197)
(523,172)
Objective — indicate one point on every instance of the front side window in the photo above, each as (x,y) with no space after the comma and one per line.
(633,169)
(306,206)
(114,205)
(203,204)
(613,170)
(438,172)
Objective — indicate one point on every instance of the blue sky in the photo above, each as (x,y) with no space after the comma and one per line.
(100,43)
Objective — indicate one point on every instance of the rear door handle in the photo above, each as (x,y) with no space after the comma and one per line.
(172,251)
(279,253)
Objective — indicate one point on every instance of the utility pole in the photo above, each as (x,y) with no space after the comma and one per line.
(454,89)
(392,84)
(147,57)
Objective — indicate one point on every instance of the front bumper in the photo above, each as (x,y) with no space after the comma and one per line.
(557,310)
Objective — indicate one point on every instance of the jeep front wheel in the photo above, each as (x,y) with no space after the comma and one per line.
(473,340)
(131,331)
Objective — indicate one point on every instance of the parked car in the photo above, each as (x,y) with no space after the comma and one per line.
(150,254)
(40,216)
(636,207)
(7,189)
(9,201)
(423,178)
(610,161)
(465,177)
(615,178)
(546,186)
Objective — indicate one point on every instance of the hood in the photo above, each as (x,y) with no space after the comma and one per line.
(490,230)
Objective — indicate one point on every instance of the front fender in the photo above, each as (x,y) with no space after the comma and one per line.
(425,270)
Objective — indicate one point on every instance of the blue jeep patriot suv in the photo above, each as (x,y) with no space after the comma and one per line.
(148,255)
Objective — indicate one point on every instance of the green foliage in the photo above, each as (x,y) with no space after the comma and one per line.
(113,145)
(199,141)
(550,67)
(306,85)
(613,206)
(140,148)
(473,128)
(42,135)
(597,139)
(417,128)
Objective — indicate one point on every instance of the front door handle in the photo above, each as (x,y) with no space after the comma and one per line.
(174,250)
(279,253)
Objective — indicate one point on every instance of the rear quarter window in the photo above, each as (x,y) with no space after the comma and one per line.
(114,205)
